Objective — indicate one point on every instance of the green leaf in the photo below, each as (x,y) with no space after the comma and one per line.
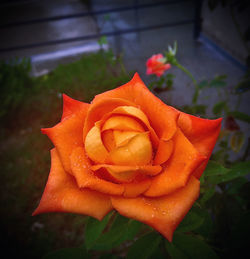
(170,76)
(207,195)
(206,228)
(193,247)
(216,173)
(219,107)
(94,229)
(191,221)
(243,86)
(213,169)
(68,253)
(144,247)
(234,186)
(238,170)
(203,84)
(195,95)
(118,233)
(158,253)
(132,229)
(102,40)
(175,252)
(218,81)
(240,116)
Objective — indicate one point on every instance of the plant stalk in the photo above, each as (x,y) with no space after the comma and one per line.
(197,90)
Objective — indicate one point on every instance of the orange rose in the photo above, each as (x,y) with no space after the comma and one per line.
(127,151)
(156,65)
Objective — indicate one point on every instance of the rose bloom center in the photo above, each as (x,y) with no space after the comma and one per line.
(120,145)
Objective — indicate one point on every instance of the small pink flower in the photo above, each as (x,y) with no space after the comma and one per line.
(156,65)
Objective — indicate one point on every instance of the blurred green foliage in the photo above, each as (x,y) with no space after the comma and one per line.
(28,104)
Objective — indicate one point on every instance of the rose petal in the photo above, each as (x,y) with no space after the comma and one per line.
(125,176)
(108,139)
(67,135)
(127,173)
(71,106)
(63,195)
(85,178)
(98,109)
(122,123)
(184,160)
(136,188)
(164,151)
(202,133)
(162,117)
(137,113)
(94,146)
(138,151)
(122,137)
(162,213)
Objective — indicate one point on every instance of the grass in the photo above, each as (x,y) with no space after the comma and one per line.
(26,105)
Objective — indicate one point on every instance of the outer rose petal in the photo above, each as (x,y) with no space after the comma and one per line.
(71,106)
(67,135)
(161,116)
(184,160)
(162,213)
(61,194)
(85,178)
(134,189)
(202,133)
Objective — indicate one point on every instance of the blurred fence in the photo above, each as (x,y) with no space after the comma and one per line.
(196,20)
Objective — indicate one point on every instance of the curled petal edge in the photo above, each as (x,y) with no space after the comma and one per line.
(67,135)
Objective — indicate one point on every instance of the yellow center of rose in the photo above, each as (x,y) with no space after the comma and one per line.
(120,139)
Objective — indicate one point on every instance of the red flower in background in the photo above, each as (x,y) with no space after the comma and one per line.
(131,152)
(156,65)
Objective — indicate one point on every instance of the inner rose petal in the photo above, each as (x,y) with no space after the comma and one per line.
(108,139)
(124,175)
(122,137)
(122,123)
(138,114)
(149,170)
(94,146)
(164,151)
(138,151)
